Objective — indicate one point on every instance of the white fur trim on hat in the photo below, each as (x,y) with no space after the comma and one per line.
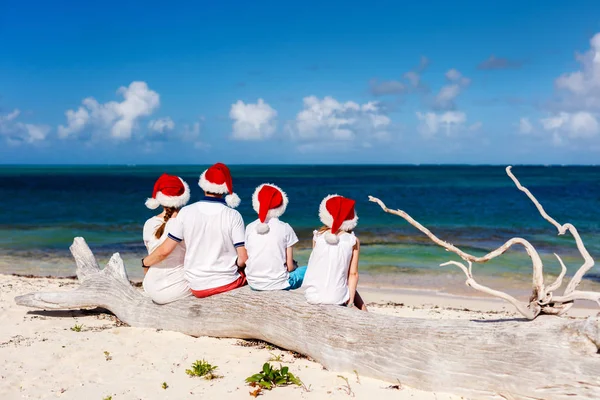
(233,200)
(327,219)
(212,187)
(275,212)
(170,201)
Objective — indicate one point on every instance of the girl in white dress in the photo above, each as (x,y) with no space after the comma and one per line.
(165,282)
(332,274)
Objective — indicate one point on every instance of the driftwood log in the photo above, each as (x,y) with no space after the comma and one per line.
(543,300)
(547,358)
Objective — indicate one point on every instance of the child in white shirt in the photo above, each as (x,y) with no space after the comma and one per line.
(332,274)
(269,242)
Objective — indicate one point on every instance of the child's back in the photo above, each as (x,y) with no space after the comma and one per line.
(266,266)
(269,243)
(326,279)
(332,274)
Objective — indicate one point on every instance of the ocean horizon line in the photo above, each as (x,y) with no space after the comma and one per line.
(300,165)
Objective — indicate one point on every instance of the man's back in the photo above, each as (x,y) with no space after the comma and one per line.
(211,232)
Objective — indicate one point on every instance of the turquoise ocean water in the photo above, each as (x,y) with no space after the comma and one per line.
(474,207)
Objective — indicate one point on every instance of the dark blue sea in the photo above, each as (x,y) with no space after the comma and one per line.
(475,207)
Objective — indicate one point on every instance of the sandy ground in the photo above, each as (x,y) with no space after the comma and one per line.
(43,358)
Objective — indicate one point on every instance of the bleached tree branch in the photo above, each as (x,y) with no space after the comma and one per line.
(542,300)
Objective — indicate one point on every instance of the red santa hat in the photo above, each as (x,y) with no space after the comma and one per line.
(217,180)
(337,212)
(269,201)
(169,191)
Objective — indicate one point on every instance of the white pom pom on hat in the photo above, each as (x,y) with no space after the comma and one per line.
(262,228)
(152,203)
(331,238)
(233,200)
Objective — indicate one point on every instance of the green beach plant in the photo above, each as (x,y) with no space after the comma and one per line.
(164,385)
(271,377)
(203,369)
(76,328)
(346,388)
(275,358)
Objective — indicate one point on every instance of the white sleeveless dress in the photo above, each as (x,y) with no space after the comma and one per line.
(326,279)
(165,282)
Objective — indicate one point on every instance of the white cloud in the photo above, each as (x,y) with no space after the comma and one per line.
(445,97)
(412,82)
(525,126)
(580,90)
(585,83)
(453,75)
(328,119)
(118,118)
(76,121)
(34,132)
(9,117)
(476,126)
(16,132)
(449,121)
(444,100)
(574,114)
(191,132)
(161,125)
(445,117)
(497,63)
(389,87)
(253,121)
(578,125)
(414,78)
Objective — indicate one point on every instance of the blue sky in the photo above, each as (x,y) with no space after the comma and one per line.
(300,82)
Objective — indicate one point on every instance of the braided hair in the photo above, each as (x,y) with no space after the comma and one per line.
(168,214)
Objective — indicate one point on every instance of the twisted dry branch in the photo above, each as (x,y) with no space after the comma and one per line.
(542,300)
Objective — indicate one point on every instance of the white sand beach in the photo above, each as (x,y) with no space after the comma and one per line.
(43,358)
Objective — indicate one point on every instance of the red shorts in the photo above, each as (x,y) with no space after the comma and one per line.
(239,282)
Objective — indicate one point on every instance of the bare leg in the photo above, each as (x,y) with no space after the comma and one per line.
(359,303)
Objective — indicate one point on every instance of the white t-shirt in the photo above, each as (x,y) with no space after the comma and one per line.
(165,282)
(265,268)
(211,232)
(326,279)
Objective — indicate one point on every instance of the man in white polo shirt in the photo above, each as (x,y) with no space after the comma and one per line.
(213,234)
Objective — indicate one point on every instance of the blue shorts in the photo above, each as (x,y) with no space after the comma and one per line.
(296,278)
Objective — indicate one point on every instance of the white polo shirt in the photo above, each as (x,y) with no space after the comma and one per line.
(211,232)
(326,279)
(265,268)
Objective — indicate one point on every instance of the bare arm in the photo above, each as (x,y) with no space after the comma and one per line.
(161,252)
(289,259)
(242,256)
(353,273)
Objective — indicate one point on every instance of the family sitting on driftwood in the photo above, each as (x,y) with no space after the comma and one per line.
(204,249)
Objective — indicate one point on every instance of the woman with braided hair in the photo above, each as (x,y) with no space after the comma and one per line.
(165,282)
